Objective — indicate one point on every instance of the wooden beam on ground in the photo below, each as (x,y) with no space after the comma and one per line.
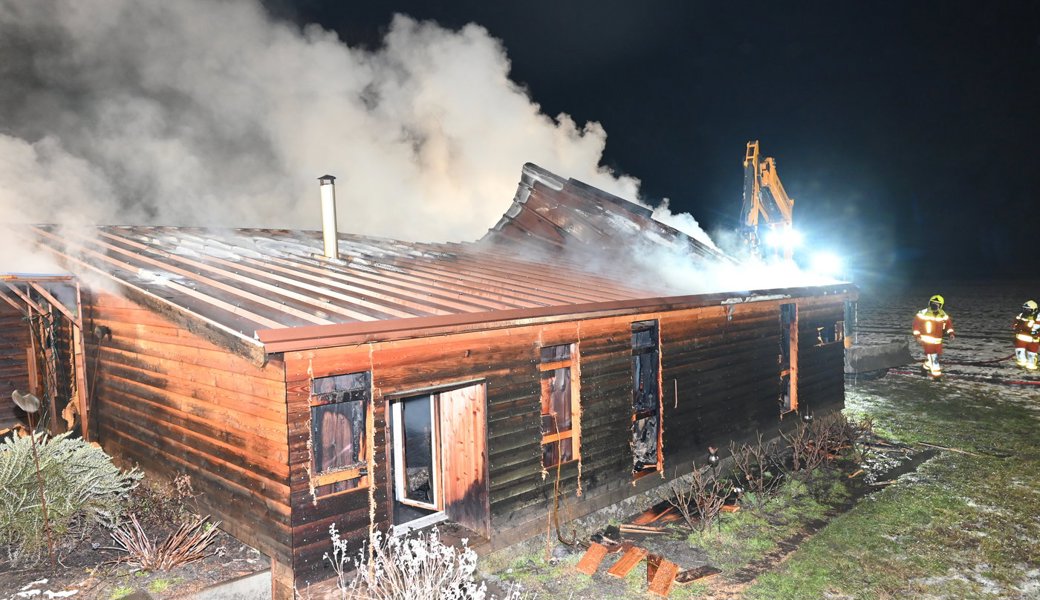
(592,558)
(628,561)
(663,577)
(691,575)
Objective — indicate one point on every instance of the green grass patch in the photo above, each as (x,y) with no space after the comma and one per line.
(120,591)
(961,526)
(158,586)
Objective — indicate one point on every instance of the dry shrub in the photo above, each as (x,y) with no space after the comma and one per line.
(162,501)
(188,544)
(757,467)
(418,567)
(818,441)
(83,490)
(699,497)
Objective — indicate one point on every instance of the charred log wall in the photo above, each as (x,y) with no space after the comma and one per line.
(173,403)
(821,358)
(14,370)
(719,382)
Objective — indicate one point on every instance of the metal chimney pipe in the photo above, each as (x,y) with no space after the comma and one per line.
(328,216)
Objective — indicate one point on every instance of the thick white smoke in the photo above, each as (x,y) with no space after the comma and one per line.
(212,113)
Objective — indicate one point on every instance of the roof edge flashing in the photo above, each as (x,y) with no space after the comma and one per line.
(532,174)
(323,336)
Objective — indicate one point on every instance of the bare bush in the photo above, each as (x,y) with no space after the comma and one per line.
(188,544)
(806,452)
(818,441)
(82,488)
(835,433)
(757,468)
(699,498)
(418,567)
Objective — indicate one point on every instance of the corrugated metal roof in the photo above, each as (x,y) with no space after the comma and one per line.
(255,279)
(268,290)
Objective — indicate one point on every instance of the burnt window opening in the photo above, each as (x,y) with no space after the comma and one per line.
(646,397)
(339,432)
(560,404)
(788,358)
(830,333)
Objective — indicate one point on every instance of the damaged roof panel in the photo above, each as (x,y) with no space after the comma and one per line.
(270,290)
(256,279)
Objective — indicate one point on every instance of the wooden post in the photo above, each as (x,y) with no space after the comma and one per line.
(81,369)
(283,580)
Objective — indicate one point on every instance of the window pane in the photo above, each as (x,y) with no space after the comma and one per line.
(341,388)
(338,434)
(644,443)
(418,448)
(556,397)
(558,452)
(644,393)
(555,353)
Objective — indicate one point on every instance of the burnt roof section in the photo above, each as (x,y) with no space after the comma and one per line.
(258,291)
(243,281)
(557,214)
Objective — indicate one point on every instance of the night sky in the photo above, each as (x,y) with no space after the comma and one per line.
(904,131)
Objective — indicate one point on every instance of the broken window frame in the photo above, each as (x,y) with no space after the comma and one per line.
(788,358)
(651,347)
(346,388)
(830,332)
(551,365)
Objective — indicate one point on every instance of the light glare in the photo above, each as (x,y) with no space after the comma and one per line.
(826,263)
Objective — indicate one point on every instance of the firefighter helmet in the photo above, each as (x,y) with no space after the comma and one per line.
(1029,306)
(937,298)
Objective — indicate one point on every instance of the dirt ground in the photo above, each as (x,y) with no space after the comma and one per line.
(93,571)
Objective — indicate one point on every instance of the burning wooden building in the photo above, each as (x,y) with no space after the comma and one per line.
(371,383)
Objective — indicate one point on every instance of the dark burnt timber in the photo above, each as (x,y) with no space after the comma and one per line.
(289,387)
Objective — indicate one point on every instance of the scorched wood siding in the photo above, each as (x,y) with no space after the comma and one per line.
(14,370)
(722,360)
(174,403)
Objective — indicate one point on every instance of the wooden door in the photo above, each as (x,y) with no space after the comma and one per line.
(464,458)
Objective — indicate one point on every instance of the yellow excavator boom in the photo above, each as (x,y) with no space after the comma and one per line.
(765,200)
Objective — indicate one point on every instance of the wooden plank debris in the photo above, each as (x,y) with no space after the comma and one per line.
(663,577)
(592,558)
(957,450)
(629,528)
(691,575)
(628,561)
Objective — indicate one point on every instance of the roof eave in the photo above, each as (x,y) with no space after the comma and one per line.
(325,336)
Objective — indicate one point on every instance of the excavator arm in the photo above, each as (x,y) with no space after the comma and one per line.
(766,203)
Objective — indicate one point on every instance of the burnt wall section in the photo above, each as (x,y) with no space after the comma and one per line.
(14,369)
(719,382)
(721,378)
(173,403)
(821,357)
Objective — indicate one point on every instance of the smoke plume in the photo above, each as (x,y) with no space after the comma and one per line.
(212,113)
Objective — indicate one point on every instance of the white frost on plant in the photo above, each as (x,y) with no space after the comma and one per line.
(407,568)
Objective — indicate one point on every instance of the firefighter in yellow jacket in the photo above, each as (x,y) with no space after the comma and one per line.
(930,326)
(1027,336)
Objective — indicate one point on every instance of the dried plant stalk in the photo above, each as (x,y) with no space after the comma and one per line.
(188,544)
(700,497)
